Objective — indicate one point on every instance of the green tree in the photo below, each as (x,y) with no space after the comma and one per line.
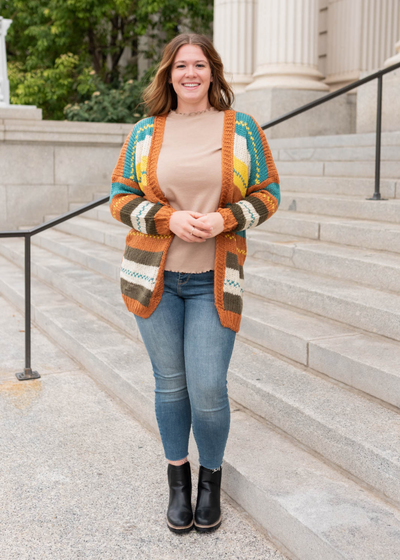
(61,52)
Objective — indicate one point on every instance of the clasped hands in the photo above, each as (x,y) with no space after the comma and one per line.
(205,226)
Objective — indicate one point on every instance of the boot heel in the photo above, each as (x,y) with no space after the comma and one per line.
(207,515)
(180,513)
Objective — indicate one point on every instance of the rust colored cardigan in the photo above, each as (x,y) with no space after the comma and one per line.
(250,195)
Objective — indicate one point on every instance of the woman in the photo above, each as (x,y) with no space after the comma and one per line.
(190,179)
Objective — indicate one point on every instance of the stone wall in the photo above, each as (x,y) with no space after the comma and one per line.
(45,165)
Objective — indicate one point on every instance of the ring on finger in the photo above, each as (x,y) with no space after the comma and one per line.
(191,233)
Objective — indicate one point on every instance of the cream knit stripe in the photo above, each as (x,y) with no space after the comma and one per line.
(141,274)
(138,216)
(233,284)
(251,216)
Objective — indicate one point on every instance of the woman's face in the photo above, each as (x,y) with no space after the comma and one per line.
(191,77)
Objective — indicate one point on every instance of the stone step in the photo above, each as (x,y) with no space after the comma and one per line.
(109,234)
(92,255)
(371,310)
(296,496)
(306,339)
(389,169)
(342,206)
(101,213)
(343,231)
(361,361)
(345,186)
(334,140)
(377,269)
(338,154)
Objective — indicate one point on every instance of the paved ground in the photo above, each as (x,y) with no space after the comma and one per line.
(81,478)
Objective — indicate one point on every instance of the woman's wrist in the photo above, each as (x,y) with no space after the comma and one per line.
(230,222)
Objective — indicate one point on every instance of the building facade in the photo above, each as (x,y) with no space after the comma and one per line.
(303,44)
(281,54)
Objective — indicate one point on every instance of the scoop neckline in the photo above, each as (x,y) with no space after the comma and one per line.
(192,113)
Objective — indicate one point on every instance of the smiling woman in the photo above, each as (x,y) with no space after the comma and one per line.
(191,178)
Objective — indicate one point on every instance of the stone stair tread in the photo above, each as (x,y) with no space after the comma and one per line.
(107,233)
(335,140)
(343,289)
(340,169)
(344,231)
(323,219)
(342,205)
(360,306)
(338,153)
(282,483)
(383,258)
(307,328)
(345,198)
(116,227)
(358,434)
(89,253)
(345,186)
(363,361)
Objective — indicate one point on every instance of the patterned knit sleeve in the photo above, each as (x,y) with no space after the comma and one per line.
(256,176)
(128,204)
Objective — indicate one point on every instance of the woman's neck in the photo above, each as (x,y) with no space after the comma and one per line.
(183,108)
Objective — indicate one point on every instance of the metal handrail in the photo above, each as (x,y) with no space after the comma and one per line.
(375,76)
(27,234)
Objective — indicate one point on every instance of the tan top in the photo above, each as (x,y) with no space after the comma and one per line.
(189,173)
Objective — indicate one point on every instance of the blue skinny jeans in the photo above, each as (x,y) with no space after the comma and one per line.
(190,353)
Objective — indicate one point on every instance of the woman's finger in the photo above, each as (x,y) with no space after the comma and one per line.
(198,225)
(192,238)
(196,232)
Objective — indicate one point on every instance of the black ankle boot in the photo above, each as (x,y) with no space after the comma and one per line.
(207,516)
(180,513)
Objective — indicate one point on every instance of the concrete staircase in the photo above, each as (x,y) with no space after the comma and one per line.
(314,449)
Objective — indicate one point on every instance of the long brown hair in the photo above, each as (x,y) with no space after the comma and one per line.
(160,96)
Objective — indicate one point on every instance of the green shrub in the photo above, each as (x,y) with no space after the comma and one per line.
(110,104)
(51,88)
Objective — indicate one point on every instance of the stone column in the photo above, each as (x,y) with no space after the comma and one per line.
(4,83)
(393,59)
(367,97)
(286,47)
(234,31)
(361,34)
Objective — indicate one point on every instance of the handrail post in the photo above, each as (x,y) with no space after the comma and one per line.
(27,373)
(377,193)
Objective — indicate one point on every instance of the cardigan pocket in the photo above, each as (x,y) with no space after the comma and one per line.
(138,273)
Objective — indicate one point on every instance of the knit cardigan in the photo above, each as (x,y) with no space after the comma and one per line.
(250,194)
